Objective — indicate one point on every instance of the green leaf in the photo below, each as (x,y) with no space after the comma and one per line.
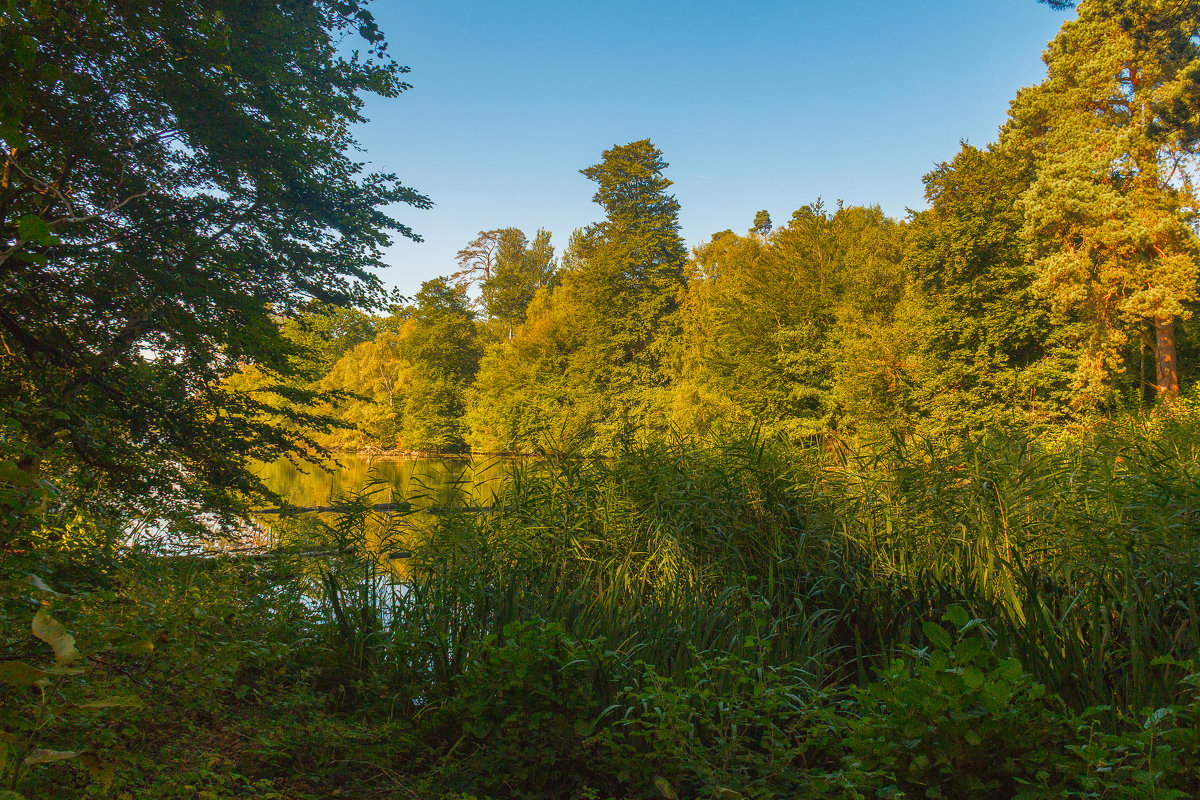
(32,228)
(51,631)
(29,580)
(664,788)
(13,475)
(1158,716)
(40,585)
(101,771)
(937,634)
(19,674)
(973,677)
(1011,669)
(49,756)
(116,701)
(63,670)
(967,650)
(957,616)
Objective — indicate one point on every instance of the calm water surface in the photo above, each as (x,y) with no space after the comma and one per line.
(424,482)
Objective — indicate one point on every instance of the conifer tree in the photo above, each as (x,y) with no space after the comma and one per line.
(1112,129)
(629,273)
(762,223)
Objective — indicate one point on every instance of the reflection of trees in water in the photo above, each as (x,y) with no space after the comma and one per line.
(423,482)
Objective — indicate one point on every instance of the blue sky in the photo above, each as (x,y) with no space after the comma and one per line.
(755,105)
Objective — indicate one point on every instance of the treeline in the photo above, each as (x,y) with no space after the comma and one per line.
(1052,277)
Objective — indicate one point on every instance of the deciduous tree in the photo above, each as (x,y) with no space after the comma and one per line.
(176,176)
(992,351)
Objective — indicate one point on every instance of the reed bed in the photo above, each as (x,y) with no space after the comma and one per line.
(1080,555)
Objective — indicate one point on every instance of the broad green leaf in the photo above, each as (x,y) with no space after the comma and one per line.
(957,616)
(1011,669)
(968,650)
(19,674)
(937,634)
(1158,716)
(973,677)
(11,474)
(116,701)
(51,631)
(49,756)
(29,580)
(40,585)
(32,228)
(664,788)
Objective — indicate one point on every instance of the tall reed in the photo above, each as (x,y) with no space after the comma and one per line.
(1080,555)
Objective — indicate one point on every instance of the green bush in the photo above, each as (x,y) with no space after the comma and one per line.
(519,723)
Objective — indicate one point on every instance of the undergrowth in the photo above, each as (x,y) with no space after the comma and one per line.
(1012,616)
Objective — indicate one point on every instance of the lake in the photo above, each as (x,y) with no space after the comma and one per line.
(425,482)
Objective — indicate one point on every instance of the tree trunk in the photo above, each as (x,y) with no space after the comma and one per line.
(1164,356)
(1142,387)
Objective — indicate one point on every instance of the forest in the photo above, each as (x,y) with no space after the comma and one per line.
(838,506)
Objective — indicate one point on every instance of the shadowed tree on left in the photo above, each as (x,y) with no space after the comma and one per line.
(176,177)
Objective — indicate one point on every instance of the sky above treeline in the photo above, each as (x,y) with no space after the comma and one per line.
(765,105)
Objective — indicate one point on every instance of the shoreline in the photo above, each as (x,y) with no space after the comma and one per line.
(399,455)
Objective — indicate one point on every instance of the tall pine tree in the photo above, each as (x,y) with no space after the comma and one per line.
(1112,129)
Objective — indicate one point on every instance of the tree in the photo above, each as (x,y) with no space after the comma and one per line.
(372,379)
(528,395)
(785,329)
(628,276)
(508,270)
(1112,129)
(476,263)
(522,268)
(443,347)
(762,223)
(176,177)
(322,333)
(991,352)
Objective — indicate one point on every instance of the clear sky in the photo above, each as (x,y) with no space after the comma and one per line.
(754,105)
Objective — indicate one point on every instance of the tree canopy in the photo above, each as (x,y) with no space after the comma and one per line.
(176,178)
(628,274)
(1109,214)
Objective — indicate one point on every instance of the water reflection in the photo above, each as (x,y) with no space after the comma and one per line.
(426,482)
